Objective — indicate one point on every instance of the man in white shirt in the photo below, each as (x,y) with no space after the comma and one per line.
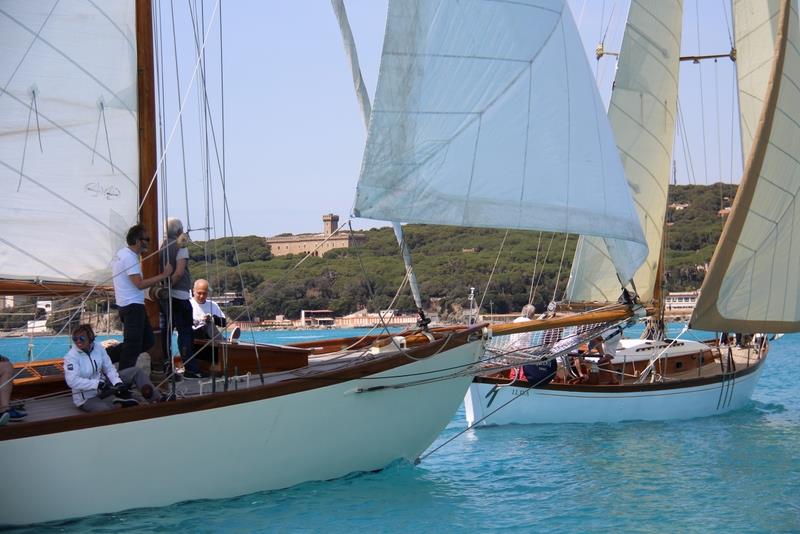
(129,286)
(206,315)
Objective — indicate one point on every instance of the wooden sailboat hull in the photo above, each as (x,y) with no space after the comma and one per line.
(563,403)
(234,449)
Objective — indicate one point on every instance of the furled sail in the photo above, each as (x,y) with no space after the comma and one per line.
(642,115)
(753,283)
(69,169)
(486,115)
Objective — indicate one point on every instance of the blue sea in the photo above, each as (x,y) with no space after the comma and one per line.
(738,472)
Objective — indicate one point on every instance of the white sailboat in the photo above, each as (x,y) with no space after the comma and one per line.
(752,285)
(463,129)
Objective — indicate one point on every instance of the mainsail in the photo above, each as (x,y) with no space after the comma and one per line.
(642,115)
(69,158)
(486,115)
(753,283)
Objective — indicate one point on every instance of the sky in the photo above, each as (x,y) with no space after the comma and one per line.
(293,133)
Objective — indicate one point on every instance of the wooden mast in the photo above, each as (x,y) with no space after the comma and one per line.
(148,192)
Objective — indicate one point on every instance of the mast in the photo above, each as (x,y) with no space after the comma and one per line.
(148,193)
(148,215)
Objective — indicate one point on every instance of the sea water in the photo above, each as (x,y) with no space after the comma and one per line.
(738,472)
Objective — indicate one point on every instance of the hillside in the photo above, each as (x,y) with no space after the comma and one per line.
(448,261)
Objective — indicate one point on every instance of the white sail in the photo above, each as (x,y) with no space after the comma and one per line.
(69,168)
(486,114)
(642,115)
(753,283)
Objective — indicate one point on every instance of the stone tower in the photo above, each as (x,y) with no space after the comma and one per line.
(330,223)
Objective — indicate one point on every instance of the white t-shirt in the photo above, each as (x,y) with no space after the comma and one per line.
(126,263)
(523,340)
(199,312)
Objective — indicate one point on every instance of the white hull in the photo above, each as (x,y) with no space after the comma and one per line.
(533,406)
(267,444)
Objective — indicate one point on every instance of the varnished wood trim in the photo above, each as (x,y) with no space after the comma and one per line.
(631,388)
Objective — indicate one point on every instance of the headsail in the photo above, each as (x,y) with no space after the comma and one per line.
(753,283)
(486,115)
(642,115)
(69,170)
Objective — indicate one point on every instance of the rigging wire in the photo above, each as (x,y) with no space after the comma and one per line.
(719,140)
(163,156)
(702,97)
(180,117)
(224,175)
(491,274)
(560,265)
(733,149)
(687,152)
(544,262)
(168,319)
(535,264)
(727,21)
(482,419)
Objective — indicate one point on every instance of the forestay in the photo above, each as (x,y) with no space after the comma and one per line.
(642,115)
(487,115)
(68,123)
(753,283)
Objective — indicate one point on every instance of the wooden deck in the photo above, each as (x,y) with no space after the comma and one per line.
(58,405)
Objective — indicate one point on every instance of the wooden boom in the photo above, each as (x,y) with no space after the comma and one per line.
(606,315)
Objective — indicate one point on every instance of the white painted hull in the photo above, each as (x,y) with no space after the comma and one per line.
(533,406)
(268,444)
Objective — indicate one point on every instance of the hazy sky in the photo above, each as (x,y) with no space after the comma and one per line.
(293,131)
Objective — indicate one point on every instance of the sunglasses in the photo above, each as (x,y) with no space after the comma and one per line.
(79,339)
(145,239)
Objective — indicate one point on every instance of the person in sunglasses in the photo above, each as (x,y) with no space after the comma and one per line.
(96,385)
(129,286)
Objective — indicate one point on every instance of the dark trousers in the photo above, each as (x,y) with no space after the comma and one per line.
(137,335)
(182,322)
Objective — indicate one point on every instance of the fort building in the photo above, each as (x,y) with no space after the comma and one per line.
(316,244)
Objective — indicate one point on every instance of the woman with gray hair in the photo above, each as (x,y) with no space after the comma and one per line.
(174,252)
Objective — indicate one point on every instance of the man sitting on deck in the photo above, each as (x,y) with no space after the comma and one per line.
(96,385)
(206,314)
